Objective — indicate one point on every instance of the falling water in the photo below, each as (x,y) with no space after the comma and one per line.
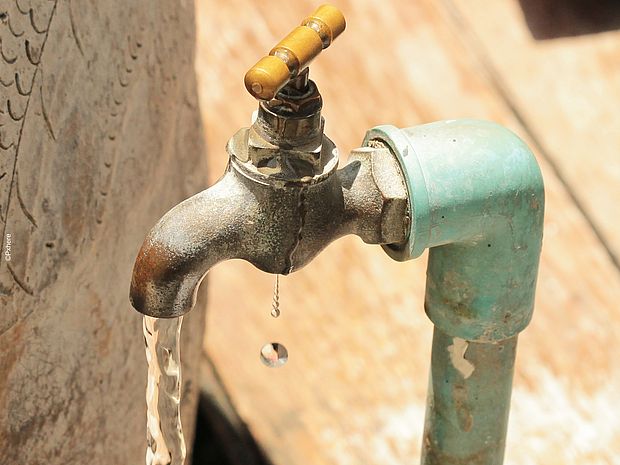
(275,303)
(274,354)
(165,441)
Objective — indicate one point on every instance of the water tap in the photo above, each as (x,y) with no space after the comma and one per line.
(281,199)
(470,191)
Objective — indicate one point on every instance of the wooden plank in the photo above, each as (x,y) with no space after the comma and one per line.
(359,342)
(566,90)
(95,106)
(234,441)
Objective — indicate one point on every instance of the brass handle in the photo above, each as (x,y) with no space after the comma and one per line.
(295,52)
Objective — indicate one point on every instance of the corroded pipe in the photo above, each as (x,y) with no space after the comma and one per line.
(468,399)
(477,203)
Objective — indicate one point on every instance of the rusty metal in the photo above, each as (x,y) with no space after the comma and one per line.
(280,202)
(468,399)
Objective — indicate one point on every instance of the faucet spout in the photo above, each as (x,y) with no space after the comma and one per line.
(191,238)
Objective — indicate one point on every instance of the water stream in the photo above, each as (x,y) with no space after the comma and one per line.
(275,303)
(164,433)
(165,440)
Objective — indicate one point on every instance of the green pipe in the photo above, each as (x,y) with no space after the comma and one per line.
(476,201)
(468,400)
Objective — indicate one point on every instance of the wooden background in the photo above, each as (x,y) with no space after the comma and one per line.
(354,389)
(97,100)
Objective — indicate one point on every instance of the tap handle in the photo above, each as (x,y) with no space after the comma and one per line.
(294,53)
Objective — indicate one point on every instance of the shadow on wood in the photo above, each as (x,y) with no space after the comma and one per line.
(550,19)
(221,436)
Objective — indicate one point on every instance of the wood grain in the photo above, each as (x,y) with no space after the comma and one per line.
(359,342)
(102,101)
(565,91)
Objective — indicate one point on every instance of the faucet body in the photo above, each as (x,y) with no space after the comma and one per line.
(279,203)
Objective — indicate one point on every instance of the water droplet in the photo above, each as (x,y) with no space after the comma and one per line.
(275,304)
(274,354)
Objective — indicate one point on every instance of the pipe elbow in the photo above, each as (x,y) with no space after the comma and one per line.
(477,200)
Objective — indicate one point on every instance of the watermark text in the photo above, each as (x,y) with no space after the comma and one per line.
(7,247)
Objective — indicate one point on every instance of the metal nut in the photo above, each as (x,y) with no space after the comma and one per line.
(390,182)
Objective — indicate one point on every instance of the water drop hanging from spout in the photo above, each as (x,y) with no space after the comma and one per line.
(275,304)
(274,354)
